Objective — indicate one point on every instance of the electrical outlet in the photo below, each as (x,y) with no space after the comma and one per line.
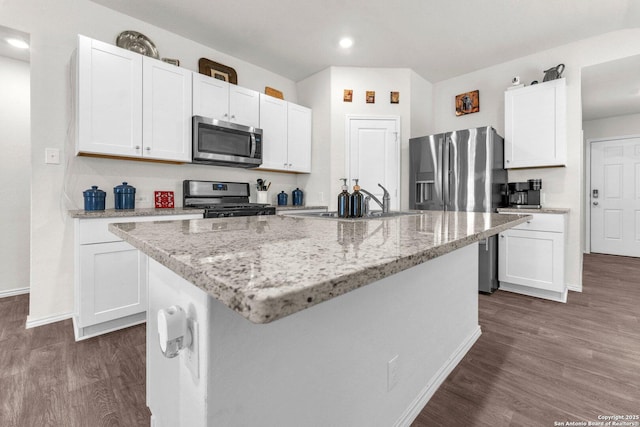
(392,373)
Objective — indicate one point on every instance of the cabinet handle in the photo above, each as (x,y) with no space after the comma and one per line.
(502,236)
(508,161)
(148,148)
(528,222)
(290,164)
(233,116)
(595,203)
(225,115)
(137,147)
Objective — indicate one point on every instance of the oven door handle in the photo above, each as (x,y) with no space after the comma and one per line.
(253,146)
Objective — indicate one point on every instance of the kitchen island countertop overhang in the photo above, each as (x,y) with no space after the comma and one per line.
(268,267)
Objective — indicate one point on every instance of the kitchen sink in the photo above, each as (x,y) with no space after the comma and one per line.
(370,215)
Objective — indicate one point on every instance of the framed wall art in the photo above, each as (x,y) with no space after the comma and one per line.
(395,97)
(217,71)
(467,103)
(371,97)
(348,95)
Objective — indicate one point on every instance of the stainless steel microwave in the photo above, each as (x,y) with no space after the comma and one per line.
(216,142)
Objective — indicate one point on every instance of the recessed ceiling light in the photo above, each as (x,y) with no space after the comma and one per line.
(20,44)
(346,42)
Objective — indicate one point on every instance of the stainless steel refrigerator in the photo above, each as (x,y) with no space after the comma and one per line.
(461,171)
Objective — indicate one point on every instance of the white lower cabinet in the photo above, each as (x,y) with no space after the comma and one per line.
(110,277)
(531,258)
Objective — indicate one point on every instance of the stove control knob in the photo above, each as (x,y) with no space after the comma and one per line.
(220,215)
(230,214)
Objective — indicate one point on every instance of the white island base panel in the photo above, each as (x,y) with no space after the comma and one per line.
(371,357)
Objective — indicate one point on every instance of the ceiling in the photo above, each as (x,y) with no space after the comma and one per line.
(611,89)
(10,51)
(438,39)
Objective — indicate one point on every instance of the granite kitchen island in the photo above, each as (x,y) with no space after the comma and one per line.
(310,321)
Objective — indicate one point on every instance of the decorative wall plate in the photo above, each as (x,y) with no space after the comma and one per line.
(137,42)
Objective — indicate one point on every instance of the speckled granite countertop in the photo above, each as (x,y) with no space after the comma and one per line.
(291,208)
(267,267)
(113,213)
(534,211)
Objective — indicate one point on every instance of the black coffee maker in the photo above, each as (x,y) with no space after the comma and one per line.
(525,195)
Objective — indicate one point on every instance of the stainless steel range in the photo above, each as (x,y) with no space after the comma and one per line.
(222,199)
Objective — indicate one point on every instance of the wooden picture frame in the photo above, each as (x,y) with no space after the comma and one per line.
(395,98)
(371,96)
(468,103)
(347,95)
(217,71)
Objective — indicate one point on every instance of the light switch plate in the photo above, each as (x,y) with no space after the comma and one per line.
(52,156)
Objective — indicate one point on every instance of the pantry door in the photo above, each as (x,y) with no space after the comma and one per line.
(373,156)
(615,196)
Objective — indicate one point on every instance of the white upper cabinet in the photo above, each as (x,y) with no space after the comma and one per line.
(273,122)
(286,139)
(217,99)
(535,125)
(167,111)
(299,141)
(109,107)
(244,106)
(210,97)
(130,105)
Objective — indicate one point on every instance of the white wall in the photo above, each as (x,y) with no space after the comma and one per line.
(329,120)
(562,187)
(612,126)
(54,27)
(15,176)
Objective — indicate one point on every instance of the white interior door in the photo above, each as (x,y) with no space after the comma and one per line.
(373,156)
(615,197)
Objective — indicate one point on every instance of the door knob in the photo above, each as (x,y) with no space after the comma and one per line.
(595,203)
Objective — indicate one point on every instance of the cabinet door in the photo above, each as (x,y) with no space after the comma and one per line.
(299,138)
(273,122)
(113,282)
(109,107)
(532,258)
(210,97)
(535,125)
(244,106)
(166,111)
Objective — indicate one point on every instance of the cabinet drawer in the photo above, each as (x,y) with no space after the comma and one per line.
(543,222)
(96,230)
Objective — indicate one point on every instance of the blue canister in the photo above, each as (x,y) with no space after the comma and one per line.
(125,196)
(297,197)
(282,198)
(94,199)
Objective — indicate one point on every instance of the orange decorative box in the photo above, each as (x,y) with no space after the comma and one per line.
(164,199)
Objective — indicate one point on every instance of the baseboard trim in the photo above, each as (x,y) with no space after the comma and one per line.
(13,292)
(412,412)
(574,288)
(32,323)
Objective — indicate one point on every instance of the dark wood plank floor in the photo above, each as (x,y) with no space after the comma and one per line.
(47,379)
(536,362)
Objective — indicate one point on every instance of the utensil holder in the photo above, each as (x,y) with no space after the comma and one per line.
(263,197)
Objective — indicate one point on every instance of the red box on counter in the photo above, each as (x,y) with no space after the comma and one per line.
(164,199)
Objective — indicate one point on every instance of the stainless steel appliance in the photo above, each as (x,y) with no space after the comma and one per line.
(461,171)
(525,195)
(220,143)
(222,199)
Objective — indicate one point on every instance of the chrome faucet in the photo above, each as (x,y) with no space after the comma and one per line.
(384,205)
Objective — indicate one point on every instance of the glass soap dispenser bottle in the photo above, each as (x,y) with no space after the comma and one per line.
(343,200)
(357,201)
